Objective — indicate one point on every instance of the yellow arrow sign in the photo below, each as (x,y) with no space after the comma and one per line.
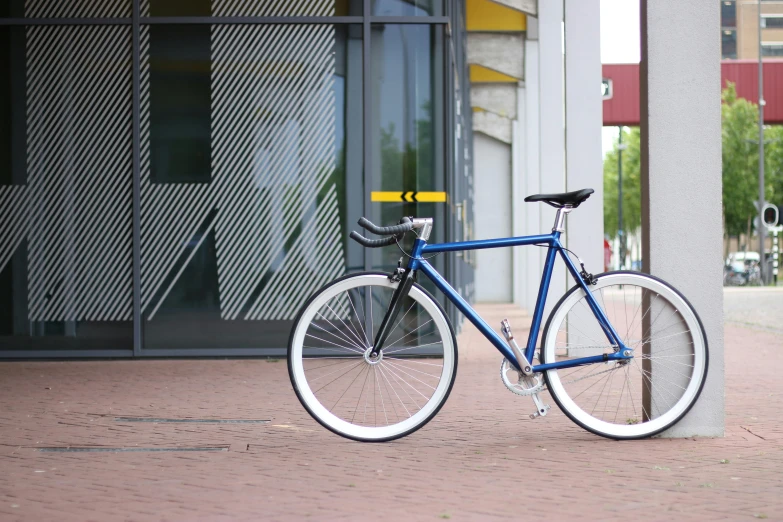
(409,197)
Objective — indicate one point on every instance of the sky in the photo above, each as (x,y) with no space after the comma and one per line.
(620,43)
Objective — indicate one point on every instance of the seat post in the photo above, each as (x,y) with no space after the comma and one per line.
(560,218)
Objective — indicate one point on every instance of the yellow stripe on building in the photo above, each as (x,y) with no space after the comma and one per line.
(485,15)
(481,74)
(408,197)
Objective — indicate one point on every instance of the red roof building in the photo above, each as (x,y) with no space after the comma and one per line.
(623,107)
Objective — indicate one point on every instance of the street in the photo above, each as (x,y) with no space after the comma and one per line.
(756,307)
(481,458)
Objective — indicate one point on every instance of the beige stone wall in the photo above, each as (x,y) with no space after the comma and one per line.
(747,27)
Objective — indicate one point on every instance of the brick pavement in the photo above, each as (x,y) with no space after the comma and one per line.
(481,458)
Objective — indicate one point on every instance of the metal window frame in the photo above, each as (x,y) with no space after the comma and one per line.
(443,46)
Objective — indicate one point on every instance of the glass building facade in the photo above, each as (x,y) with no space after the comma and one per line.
(177,177)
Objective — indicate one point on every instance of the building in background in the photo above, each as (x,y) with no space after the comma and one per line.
(176,177)
(740,26)
(535,68)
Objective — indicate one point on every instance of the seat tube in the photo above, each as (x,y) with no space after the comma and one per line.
(543,289)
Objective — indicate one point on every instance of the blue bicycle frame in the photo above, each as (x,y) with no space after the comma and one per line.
(418,263)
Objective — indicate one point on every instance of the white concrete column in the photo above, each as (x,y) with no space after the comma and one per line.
(584,119)
(681,176)
(529,118)
(551,128)
(519,152)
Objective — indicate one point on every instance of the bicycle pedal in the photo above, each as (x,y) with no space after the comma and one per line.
(541,412)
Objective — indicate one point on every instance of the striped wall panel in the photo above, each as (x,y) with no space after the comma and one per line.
(14,221)
(79,173)
(273,8)
(277,225)
(262,7)
(77,8)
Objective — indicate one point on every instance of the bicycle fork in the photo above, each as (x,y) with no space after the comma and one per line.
(387,325)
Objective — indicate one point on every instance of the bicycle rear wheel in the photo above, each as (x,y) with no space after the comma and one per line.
(634,398)
(349,392)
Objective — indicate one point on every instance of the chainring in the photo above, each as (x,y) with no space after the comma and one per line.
(523,385)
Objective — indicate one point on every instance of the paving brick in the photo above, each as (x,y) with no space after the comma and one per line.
(481,458)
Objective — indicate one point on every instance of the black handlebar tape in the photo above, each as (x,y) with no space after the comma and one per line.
(372,243)
(385,231)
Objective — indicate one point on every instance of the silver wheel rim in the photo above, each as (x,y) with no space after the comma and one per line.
(667,366)
(387,375)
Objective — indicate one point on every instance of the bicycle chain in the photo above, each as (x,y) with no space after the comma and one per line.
(516,388)
(541,386)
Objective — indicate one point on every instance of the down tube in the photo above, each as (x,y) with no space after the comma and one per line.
(466,309)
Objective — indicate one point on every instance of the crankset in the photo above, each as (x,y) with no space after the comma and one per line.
(521,384)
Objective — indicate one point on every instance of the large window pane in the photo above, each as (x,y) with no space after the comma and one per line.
(404,138)
(729,44)
(66,188)
(65,8)
(233,246)
(244,8)
(180,112)
(728,13)
(407,8)
(771,49)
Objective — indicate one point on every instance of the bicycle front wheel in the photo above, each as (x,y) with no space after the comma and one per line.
(353,394)
(638,397)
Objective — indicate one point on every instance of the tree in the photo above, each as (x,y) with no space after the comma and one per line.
(739,119)
(774,164)
(632,194)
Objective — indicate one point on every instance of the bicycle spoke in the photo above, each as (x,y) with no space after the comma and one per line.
(389,385)
(405,390)
(359,400)
(415,370)
(357,316)
(350,349)
(381,394)
(374,398)
(666,347)
(412,361)
(412,347)
(407,383)
(338,377)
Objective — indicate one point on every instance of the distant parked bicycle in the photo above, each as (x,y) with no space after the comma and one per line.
(372,356)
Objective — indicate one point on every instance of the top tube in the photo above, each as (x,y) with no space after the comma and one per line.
(544,239)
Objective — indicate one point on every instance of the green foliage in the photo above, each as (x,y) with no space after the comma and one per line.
(632,186)
(774,164)
(739,119)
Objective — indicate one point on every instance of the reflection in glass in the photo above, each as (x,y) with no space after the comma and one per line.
(229,256)
(407,8)
(729,44)
(66,188)
(65,9)
(180,97)
(403,146)
(254,8)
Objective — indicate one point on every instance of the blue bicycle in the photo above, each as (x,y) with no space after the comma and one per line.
(373,356)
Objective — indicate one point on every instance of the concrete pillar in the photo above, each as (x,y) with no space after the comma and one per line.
(551,128)
(529,115)
(584,163)
(681,176)
(519,153)
(584,119)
